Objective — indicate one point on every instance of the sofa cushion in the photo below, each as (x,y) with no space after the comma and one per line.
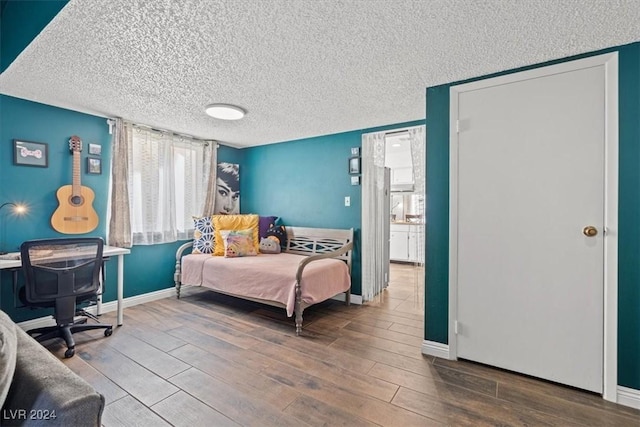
(8,354)
(238,243)
(203,236)
(234,222)
(264,223)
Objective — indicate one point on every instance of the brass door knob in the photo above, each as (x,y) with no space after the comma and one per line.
(590,231)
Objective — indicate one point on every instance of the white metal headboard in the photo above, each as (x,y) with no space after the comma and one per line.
(316,241)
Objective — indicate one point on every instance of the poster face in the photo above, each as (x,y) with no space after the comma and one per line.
(228,189)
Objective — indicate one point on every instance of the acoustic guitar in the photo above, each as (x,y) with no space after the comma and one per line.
(75,213)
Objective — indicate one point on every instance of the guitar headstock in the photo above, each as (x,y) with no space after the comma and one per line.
(75,143)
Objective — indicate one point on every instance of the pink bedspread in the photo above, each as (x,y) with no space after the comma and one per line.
(267,276)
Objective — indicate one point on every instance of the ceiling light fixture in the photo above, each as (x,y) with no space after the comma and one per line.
(225,111)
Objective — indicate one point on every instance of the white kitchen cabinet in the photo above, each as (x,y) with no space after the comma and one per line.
(406,243)
(399,246)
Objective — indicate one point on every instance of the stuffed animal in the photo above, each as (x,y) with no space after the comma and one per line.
(269,245)
(278,232)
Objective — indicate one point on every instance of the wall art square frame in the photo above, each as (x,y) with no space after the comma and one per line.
(95,150)
(94,166)
(30,153)
(354,165)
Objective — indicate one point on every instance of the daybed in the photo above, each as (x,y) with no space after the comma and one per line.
(315,266)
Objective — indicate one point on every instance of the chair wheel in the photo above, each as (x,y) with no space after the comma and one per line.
(108,332)
(69,353)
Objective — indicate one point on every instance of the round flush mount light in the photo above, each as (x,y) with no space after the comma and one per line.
(225,111)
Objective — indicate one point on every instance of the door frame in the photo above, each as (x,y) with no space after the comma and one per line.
(610,63)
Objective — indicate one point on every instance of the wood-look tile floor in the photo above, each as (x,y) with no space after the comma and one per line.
(211,360)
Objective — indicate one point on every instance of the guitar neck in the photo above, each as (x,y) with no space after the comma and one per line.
(76,185)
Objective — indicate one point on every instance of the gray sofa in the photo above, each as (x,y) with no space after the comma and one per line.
(37,389)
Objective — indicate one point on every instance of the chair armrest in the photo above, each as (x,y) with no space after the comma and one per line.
(343,250)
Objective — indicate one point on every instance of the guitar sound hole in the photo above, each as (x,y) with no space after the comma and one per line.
(76,200)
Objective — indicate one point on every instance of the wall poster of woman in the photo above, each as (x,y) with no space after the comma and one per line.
(228,189)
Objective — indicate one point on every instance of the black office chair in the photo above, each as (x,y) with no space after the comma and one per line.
(60,274)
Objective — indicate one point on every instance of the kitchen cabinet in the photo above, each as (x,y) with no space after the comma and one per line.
(406,242)
(399,246)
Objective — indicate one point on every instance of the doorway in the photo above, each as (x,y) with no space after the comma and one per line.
(393,218)
(533,223)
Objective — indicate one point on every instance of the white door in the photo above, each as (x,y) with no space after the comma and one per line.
(530,177)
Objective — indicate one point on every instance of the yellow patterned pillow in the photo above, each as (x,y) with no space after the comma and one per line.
(234,222)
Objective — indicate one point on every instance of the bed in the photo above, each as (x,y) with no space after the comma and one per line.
(314,267)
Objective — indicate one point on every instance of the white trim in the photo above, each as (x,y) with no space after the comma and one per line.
(629,397)
(106,307)
(453,220)
(610,362)
(432,348)
(610,62)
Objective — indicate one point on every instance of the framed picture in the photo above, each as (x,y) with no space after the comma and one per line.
(95,149)
(94,166)
(355,180)
(355,151)
(29,153)
(354,165)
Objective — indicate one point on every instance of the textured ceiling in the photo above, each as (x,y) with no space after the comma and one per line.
(301,68)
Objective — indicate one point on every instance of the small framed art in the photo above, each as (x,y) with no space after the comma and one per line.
(354,165)
(95,149)
(29,153)
(94,166)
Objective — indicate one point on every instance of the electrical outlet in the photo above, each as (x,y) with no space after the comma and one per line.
(347,201)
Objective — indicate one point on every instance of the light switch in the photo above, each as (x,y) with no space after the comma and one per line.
(347,201)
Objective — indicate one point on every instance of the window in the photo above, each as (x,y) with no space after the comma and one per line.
(167,185)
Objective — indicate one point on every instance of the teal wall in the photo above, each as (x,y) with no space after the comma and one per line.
(147,268)
(22,21)
(304,182)
(437,260)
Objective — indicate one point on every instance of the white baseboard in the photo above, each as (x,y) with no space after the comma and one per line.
(629,397)
(355,299)
(432,348)
(107,307)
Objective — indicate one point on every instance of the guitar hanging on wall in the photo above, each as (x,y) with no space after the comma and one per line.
(75,213)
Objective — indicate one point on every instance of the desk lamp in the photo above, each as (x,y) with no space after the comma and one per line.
(18,209)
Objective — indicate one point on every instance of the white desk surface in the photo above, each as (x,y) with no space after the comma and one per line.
(12,259)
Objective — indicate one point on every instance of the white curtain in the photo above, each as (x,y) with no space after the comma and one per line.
(119,218)
(168,178)
(374,258)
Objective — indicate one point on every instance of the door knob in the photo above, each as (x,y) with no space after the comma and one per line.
(590,231)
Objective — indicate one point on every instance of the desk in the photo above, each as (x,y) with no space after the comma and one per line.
(107,251)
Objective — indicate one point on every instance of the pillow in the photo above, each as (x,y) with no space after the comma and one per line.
(238,243)
(8,354)
(280,233)
(234,222)
(269,245)
(203,236)
(264,223)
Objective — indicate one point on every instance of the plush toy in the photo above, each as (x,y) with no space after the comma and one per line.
(278,232)
(269,245)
